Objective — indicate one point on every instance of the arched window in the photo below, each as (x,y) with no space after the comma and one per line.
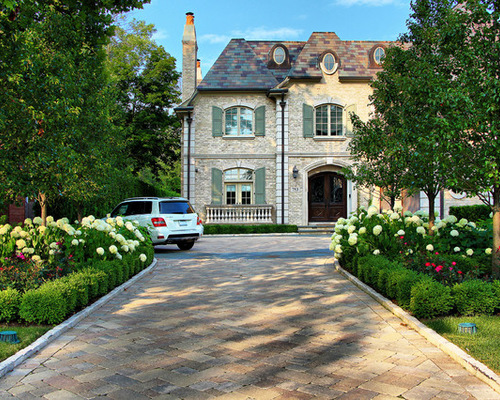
(329,120)
(238,186)
(239,121)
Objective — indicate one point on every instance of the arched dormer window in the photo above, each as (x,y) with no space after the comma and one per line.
(279,57)
(329,62)
(377,55)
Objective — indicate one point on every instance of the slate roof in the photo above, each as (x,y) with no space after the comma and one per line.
(243,65)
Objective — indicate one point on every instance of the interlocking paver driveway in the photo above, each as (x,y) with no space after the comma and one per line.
(243,318)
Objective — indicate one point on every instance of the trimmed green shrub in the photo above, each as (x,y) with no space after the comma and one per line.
(430,299)
(48,304)
(10,299)
(477,212)
(405,281)
(475,297)
(238,229)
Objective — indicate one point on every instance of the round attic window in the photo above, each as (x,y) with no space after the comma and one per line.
(379,55)
(279,55)
(329,64)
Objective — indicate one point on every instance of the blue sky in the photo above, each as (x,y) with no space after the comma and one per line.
(219,21)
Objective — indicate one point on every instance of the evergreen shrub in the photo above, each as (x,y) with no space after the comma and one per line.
(430,299)
(475,297)
(10,299)
(479,212)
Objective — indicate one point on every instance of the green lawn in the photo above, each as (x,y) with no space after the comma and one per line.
(483,346)
(26,334)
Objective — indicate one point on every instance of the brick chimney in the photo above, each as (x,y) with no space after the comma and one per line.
(199,77)
(189,58)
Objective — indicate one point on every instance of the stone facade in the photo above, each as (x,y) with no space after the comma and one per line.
(246,76)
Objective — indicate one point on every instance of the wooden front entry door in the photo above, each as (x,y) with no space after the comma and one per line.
(327,197)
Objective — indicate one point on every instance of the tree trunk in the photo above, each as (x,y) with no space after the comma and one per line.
(432,212)
(495,262)
(79,212)
(393,202)
(42,199)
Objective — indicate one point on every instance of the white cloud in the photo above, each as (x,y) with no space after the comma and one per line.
(160,35)
(269,34)
(261,33)
(213,38)
(371,3)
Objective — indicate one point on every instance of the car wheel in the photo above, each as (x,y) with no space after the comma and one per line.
(185,245)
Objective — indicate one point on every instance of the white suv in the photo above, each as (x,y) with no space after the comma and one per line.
(169,219)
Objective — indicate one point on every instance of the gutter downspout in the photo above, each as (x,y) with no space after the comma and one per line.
(189,121)
(283,105)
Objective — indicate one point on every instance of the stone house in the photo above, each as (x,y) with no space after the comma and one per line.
(266,131)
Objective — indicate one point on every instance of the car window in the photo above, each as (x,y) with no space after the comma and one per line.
(133,208)
(176,207)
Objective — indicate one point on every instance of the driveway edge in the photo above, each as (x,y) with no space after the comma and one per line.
(475,367)
(13,361)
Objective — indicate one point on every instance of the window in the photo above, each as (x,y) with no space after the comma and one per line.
(239,121)
(378,55)
(133,208)
(279,55)
(329,63)
(329,120)
(238,185)
(176,207)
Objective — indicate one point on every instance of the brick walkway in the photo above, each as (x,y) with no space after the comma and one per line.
(243,318)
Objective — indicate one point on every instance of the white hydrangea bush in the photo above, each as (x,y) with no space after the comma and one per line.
(91,239)
(395,233)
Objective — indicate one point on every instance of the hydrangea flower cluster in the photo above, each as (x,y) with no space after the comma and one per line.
(393,232)
(106,239)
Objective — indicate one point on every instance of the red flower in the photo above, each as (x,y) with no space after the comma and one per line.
(428,264)
(453,263)
(437,253)
(460,272)
(439,268)
(433,264)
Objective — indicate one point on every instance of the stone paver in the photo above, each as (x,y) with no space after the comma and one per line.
(243,318)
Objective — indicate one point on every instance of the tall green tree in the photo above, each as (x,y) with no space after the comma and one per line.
(146,84)
(415,99)
(52,123)
(473,46)
(377,157)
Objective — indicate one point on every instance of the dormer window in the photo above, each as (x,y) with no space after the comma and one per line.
(329,63)
(376,56)
(279,55)
(379,55)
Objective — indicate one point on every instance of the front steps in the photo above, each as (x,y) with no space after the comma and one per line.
(317,229)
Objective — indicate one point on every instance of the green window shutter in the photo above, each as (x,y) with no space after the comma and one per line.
(260,186)
(216,186)
(308,120)
(348,126)
(216,121)
(260,121)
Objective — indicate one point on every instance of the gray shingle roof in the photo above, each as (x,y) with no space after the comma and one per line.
(243,65)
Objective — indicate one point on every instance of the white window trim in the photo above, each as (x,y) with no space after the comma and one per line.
(239,135)
(330,136)
(239,183)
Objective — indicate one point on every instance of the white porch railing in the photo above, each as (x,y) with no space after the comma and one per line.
(240,214)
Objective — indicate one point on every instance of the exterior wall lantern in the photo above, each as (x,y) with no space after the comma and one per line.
(295,172)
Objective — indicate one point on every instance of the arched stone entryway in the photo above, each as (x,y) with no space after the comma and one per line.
(327,197)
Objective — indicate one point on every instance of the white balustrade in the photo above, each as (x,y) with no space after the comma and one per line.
(239,214)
